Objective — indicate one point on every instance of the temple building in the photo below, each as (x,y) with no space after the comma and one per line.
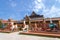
(34,22)
(37,22)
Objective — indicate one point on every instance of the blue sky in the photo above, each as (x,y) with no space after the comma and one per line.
(17,9)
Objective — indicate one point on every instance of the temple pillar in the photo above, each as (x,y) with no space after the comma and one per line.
(35,26)
(44,22)
(29,29)
(59,24)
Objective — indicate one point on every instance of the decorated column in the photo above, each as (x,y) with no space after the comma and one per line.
(35,26)
(59,24)
(44,24)
(51,20)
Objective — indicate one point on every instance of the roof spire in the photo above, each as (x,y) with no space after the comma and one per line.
(33,13)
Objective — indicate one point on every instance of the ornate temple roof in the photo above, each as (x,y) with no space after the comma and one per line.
(34,15)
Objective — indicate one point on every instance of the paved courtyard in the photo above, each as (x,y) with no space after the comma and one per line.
(16,36)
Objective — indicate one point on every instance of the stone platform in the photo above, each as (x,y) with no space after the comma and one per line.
(48,34)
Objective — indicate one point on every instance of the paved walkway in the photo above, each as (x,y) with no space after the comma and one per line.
(16,36)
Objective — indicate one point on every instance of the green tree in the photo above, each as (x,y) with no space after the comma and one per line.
(1,25)
(5,24)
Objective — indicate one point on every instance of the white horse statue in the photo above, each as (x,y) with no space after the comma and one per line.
(26,27)
(13,26)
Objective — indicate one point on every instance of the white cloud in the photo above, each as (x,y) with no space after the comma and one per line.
(47,12)
(38,0)
(53,12)
(38,4)
(58,1)
(13,4)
